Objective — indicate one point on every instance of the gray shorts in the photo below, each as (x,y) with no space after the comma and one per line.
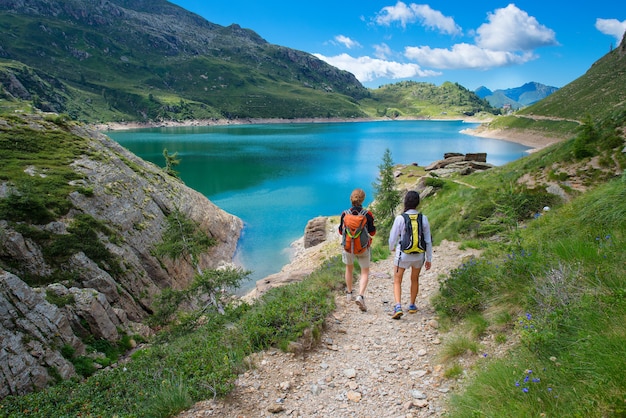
(409,260)
(363,259)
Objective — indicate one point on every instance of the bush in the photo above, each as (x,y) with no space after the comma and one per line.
(435,182)
(464,291)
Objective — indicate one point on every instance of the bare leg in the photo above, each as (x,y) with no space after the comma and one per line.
(365,274)
(348,276)
(397,284)
(415,275)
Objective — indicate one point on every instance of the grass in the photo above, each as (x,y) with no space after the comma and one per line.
(178,369)
(567,286)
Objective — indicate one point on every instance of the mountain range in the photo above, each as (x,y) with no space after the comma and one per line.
(137,60)
(517,97)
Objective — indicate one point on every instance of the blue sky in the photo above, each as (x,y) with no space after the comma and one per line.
(494,44)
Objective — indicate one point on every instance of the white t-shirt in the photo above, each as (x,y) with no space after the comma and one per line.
(396,233)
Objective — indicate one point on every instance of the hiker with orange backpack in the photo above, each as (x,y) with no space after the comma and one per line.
(411,239)
(357,229)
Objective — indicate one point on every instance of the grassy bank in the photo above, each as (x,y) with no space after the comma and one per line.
(560,290)
(198,359)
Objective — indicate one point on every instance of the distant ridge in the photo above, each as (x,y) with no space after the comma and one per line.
(516,97)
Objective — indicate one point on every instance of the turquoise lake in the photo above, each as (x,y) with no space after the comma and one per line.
(276,177)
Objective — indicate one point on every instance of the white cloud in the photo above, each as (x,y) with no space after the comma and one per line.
(611,27)
(347,42)
(429,18)
(464,56)
(512,29)
(368,69)
(382,51)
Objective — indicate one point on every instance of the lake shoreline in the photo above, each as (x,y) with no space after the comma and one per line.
(530,139)
(299,259)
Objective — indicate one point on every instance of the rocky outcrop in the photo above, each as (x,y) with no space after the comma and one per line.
(31,331)
(315,232)
(133,199)
(459,163)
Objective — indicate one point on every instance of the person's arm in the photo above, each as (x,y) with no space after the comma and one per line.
(394,235)
(428,240)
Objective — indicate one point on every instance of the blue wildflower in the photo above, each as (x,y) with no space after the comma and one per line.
(529,316)
(517,383)
(525,390)
(536,380)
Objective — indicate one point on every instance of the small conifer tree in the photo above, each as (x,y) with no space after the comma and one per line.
(387,197)
(170,162)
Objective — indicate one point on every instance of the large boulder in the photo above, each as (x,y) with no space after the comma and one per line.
(315,232)
(463,164)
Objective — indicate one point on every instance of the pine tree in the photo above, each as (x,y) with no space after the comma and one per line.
(170,162)
(387,197)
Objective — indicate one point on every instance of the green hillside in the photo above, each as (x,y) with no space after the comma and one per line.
(600,93)
(419,99)
(136,60)
(599,97)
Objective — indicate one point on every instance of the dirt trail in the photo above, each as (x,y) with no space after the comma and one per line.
(367,364)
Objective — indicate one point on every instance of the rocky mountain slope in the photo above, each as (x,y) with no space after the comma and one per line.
(140,60)
(92,270)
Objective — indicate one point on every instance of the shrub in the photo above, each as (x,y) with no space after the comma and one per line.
(464,291)
(182,238)
(437,183)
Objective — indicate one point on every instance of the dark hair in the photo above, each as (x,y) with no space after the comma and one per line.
(411,200)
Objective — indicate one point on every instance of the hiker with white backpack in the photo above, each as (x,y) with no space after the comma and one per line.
(411,240)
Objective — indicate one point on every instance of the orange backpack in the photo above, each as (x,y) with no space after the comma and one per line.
(355,238)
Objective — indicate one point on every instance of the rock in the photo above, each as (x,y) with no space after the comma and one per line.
(315,232)
(30,329)
(416,394)
(459,163)
(93,308)
(275,409)
(354,396)
(420,403)
(478,156)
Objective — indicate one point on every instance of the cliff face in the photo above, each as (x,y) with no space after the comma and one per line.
(133,199)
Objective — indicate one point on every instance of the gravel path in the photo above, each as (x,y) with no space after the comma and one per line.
(367,364)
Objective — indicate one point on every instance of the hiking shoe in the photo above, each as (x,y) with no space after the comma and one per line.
(397,312)
(412,308)
(360,300)
(348,296)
